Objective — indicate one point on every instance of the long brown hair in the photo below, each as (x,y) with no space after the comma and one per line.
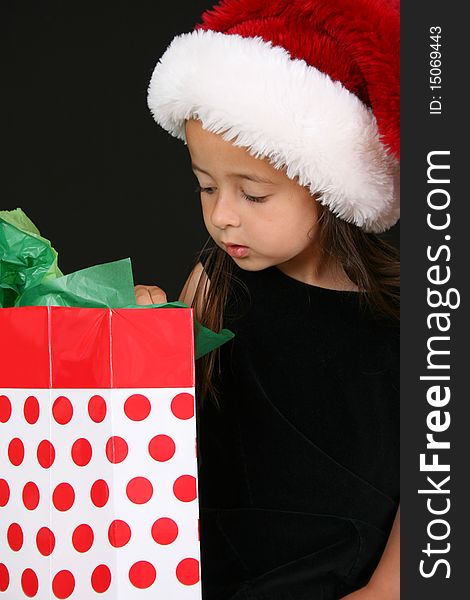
(368,260)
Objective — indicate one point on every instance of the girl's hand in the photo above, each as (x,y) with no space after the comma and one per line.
(149,294)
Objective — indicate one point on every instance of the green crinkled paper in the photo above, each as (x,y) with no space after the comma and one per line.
(26,258)
(30,276)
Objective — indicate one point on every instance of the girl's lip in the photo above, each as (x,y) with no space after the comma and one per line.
(236,250)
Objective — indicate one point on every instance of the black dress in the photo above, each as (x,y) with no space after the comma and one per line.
(299,467)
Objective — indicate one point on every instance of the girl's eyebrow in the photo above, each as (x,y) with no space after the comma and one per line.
(249,176)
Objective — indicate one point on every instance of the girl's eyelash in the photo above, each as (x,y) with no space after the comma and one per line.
(254,198)
(206,190)
(209,190)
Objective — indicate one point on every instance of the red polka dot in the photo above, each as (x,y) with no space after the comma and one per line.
(139,490)
(16,452)
(63,584)
(119,533)
(99,493)
(182,406)
(97,408)
(81,452)
(31,410)
(63,496)
(185,489)
(15,537)
(4,492)
(142,574)
(82,538)
(62,410)
(137,407)
(187,571)
(45,454)
(29,583)
(45,541)
(31,495)
(101,579)
(116,449)
(164,531)
(5,408)
(4,578)
(161,447)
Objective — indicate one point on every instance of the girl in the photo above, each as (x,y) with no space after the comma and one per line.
(289,109)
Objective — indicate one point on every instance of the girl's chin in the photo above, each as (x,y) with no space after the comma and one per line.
(252,263)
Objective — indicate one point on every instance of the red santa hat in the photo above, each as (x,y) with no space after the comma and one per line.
(312,85)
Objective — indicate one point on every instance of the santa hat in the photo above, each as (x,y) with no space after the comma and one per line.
(312,85)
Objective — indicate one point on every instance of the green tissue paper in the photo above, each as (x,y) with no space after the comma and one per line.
(30,276)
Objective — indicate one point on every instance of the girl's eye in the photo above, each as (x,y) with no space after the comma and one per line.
(254,198)
(210,190)
(204,190)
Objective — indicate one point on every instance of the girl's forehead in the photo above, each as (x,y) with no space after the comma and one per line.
(210,150)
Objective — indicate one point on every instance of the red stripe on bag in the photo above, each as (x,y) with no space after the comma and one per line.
(61,347)
(24,347)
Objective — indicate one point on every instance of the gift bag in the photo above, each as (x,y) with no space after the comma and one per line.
(98,487)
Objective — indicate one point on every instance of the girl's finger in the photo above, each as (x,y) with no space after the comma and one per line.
(149,294)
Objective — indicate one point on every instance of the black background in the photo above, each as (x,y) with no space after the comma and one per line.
(84,158)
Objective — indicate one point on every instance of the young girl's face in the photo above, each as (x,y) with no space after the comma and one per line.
(246,201)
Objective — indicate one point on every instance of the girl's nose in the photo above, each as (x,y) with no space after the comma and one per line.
(224,212)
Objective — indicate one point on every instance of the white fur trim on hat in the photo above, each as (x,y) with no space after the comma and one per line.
(258,97)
